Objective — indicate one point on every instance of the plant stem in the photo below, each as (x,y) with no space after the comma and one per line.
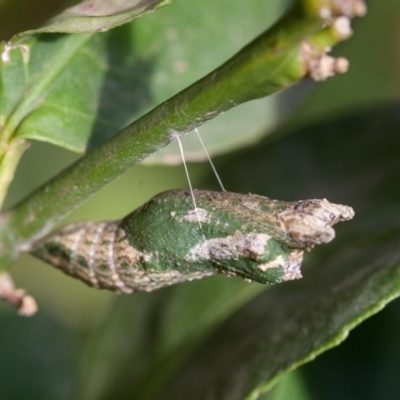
(8,164)
(271,63)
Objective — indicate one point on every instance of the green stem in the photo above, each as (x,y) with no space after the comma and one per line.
(269,64)
(8,165)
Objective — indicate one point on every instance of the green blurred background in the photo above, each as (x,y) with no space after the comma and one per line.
(57,355)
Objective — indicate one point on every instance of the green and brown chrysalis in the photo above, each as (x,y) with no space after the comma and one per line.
(161,243)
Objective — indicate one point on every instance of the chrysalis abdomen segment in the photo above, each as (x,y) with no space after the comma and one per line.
(86,250)
(99,254)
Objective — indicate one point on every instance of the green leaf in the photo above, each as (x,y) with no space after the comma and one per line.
(290,386)
(286,327)
(78,90)
(146,337)
(369,355)
(50,85)
(344,283)
(90,16)
(39,357)
(39,96)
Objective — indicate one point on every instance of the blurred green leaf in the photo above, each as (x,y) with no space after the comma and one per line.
(149,335)
(78,90)
(290,386)
(50,84)
(97,15)
(39,358)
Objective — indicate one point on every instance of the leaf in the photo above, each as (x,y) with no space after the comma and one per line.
(284,328)
(39,358)
(344,284)
(50,84)
(76,91)
(369,355)
(291,386)
(90,16)
(146,336)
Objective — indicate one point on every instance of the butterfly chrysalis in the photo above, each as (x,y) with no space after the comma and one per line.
(161,243)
